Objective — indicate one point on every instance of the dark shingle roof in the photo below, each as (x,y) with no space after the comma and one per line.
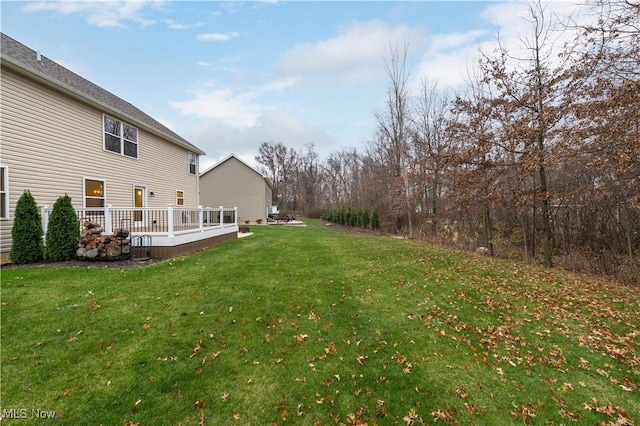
(26,59)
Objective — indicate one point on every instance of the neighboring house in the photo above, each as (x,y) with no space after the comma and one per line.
(233,182)
(61,134)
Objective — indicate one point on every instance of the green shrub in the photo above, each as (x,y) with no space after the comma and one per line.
(26,233)
(63,231)
(365,219)
(375,220)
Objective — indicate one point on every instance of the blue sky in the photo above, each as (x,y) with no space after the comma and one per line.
(229,76)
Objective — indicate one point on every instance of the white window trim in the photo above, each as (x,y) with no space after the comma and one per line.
(84,190)
(122,139)
(195,163)
(5,178)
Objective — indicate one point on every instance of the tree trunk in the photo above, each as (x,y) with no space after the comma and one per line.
(546,220)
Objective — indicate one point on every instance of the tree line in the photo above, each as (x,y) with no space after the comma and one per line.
(537,158)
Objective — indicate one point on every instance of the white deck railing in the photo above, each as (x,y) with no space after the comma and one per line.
(167,221)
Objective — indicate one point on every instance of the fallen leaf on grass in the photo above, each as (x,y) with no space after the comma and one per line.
(526,410)
(566,386)
(330,349)
(200,403)
(445,416)
(412,418)
(168,358)
(196,350)
(283,403)
(472,408)
(462,393)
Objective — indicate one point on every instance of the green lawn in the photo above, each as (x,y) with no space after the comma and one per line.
(319,326)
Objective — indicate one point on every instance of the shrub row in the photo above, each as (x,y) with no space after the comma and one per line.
(360,218)
(62,231)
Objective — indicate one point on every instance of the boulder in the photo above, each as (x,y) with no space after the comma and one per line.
(483,250)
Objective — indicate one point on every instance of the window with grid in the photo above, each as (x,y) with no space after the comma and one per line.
(120,137)
(192,163)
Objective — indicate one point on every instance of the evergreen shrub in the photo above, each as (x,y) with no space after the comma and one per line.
(26,233)
(63,231)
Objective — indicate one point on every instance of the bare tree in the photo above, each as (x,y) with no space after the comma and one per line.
(308,177)
(474,160)
(606,131)
(393,134)
(531,107)
(428,142)
(279,164)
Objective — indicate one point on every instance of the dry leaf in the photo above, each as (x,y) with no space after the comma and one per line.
(361,359)
(200,403)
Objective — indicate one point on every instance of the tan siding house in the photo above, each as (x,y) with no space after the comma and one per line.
(62,134)
(233,182)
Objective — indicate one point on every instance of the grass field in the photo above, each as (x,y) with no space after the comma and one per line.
(318,326)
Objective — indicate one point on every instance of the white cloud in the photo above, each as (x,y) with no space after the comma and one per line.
(217,36)
(354,55)
(237,109)
(448,57)
(219,139)
(101,13)
(445,42)
(515,25)
(178,26)
(280,84)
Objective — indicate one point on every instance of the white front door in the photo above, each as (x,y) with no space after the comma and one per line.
(139,201)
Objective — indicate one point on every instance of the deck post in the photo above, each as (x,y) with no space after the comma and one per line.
(108,226)
(200,218)
(221,216)
(44,216)
(170,220)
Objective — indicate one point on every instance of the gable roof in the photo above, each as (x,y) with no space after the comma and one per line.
(24,60)
(230,156)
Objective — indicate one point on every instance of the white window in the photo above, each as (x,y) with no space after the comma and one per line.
(179,198)
(94,193)
(120,137)
(192,163)
(4,192)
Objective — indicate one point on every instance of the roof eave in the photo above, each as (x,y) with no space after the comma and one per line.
(48,81)
(228,157)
